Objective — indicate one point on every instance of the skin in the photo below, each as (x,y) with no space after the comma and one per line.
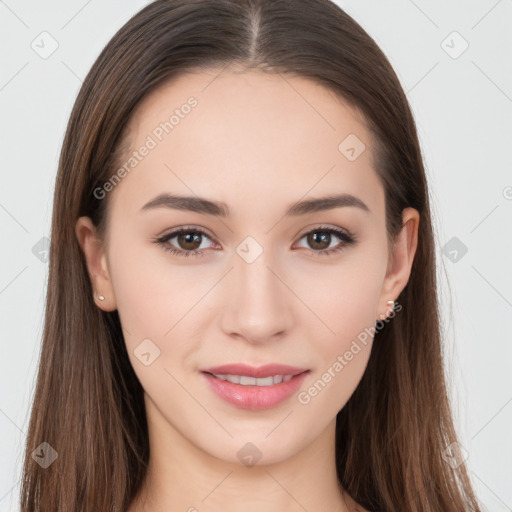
(259,143)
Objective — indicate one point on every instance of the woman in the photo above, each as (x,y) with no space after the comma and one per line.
(242,305)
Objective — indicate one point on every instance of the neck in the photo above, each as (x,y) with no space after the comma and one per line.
(181,476)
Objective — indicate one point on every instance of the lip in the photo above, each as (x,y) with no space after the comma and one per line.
(266,370)
(255,397)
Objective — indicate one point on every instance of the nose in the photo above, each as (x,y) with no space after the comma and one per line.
(259,304)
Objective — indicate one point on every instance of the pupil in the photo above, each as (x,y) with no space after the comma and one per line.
(315,239)
(323,238)
(189,238)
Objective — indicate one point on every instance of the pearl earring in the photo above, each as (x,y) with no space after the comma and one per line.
(100,297)
(391,304)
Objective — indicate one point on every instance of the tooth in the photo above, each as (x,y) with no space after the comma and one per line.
(265,381)
(244,380)
(247,381)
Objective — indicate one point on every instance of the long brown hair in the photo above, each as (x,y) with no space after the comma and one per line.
(88,405)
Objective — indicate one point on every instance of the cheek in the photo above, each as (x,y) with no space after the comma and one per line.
(161,301)
(153,292)
(345,301)
(151,299)
(344,297)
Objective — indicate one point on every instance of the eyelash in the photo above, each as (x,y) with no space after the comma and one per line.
(346,237)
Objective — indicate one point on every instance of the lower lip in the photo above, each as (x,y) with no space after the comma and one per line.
(254,397)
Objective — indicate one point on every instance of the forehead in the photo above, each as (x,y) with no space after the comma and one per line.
(228,133)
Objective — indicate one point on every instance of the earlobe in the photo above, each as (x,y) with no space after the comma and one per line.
(399,268)
(94,254)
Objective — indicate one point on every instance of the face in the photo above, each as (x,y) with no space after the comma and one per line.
(255,278)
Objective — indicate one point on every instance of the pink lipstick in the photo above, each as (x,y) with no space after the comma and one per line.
(254,388)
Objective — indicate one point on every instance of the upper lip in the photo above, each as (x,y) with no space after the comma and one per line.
(267,370)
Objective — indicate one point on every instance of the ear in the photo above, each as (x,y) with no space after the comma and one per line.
(399,266)
(94,253)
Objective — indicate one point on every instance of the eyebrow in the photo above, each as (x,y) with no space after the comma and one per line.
(210,207)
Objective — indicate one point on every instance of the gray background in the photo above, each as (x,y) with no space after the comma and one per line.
(462,101)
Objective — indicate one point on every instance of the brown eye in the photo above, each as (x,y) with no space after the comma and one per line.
(189,241)
(319,239)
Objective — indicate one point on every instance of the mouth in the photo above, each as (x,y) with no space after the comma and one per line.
(253,388)
(245,380)
(245,370)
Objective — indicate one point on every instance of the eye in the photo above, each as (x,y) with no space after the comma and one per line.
(189,241)
(319,240)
